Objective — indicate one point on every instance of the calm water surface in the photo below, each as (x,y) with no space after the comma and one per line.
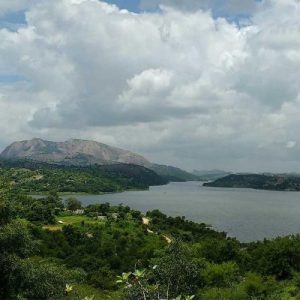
(243,213)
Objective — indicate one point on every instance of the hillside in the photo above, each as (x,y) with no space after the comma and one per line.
(75,152)
(258,181)
(31,177)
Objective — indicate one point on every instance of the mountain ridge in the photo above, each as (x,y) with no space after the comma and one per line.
(78,152)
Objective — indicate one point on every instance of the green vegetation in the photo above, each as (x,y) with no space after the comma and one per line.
(257,181)
(33,177)
(73,204)
(64,219)
(50,250)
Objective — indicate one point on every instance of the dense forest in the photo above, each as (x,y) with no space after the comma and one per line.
(55,250)
(283,182)
(33,177)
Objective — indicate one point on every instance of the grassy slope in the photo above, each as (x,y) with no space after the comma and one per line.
(71,220)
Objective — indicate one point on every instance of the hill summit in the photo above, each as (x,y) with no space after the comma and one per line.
(71,152)
(76,152)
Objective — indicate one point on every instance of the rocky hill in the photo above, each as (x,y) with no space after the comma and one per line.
(71,152)
(76,152)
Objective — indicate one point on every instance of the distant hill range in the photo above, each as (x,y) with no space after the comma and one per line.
(172,173)
(210,174)
(276,182)
(76,152)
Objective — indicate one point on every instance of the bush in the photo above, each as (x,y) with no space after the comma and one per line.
(220,275)
(39,279)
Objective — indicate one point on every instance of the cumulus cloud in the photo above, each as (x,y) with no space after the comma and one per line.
(229,7)
(178,85)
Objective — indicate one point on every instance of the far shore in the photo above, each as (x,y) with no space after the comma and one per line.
(34,194)
(45,193)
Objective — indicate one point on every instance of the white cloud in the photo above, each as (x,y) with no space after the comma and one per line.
(145,88)
(9,6)
(178,86)
(290,144)
(228,7)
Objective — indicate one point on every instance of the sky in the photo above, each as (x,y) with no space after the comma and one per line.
(199,84)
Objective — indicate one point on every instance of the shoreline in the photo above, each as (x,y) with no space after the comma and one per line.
(84,193)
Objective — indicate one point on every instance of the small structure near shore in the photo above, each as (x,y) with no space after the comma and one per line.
(115,216)
(145,220)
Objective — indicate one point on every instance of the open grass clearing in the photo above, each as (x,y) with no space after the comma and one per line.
(71,220)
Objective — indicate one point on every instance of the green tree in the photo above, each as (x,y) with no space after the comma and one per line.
(176,271)
(279,257)
(15,244)
(220,275)
(39,279)
(73,204)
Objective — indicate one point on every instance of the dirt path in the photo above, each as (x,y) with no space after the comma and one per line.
(169,241)
(146,221)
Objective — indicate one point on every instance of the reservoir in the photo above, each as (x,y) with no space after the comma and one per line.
(246,214)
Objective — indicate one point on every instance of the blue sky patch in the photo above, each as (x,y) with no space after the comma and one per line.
(131,5)
(13,20)
(11,78)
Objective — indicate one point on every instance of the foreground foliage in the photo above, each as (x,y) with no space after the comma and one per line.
(47,251)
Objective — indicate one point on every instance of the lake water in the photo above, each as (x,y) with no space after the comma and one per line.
(243,213)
